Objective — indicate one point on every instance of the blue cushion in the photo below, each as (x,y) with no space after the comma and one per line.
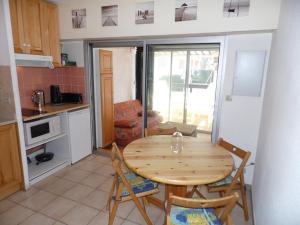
(187,216)
(223,182)
(138,184)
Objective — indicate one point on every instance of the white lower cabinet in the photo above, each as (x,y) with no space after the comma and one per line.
(80,134)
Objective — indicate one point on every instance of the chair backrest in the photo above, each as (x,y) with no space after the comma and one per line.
(118,162)
(243,155)
(226,205)
(159,131)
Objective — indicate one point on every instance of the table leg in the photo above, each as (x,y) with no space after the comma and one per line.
(176,190)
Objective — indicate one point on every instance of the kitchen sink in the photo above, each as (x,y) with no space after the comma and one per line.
(32,112)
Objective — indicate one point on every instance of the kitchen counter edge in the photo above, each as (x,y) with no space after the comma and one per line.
(56,110)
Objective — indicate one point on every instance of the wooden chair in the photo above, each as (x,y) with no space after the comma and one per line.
(200,211)
(159,131)
(230,183)
(128,186)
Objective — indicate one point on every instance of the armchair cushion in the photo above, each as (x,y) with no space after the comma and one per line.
(189,216)
(126,123)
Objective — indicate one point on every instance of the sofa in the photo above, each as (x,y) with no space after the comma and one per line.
(128,121)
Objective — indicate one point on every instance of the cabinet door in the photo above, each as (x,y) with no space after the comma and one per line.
(10,164)
(106,61)
(33,33)
(51,31)
(107,106)
(17,25)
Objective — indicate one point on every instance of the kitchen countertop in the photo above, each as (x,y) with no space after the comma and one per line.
(55,109)
(5,122)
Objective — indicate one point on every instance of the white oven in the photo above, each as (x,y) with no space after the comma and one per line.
(42,129)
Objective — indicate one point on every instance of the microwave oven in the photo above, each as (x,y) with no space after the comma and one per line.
(41,130)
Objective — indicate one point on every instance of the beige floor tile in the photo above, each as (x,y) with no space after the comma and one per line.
(80,215)
(129,223)
(106,186)
(38,219)
(96,199)
(60,186)
(161,219)
(78,192)
(6,205)
(90,165)
(102,219)
(90,157)
(94,180)
(152,211)
(39,200)
(76,175)
(15,215)
(58,208)
(61,173)
(106,170)
(45,182)
(102,160)
(124,209)
(23,195)
(59,223)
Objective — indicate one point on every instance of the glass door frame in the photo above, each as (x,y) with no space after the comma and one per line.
(221,40)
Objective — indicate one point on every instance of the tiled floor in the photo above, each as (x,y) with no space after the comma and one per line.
(77,195)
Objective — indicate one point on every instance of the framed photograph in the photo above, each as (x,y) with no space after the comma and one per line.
(186,10)
(144,13)
(110,15)
(236,8)
(79,18)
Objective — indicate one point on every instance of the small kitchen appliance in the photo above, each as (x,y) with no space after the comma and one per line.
(56,97)
(38,97)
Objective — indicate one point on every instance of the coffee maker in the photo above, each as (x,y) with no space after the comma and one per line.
(56,97)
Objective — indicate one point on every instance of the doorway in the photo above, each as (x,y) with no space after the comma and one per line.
(183,82)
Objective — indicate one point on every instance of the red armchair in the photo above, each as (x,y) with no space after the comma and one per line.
(128,121)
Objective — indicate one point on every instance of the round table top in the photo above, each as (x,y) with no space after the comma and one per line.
(198,163)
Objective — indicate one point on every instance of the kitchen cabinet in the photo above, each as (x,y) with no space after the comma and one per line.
(80,134)
(11,179)
(50,26)
(35,28)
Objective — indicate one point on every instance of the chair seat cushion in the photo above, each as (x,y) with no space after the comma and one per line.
(138,184)
(223,182)
(188,216)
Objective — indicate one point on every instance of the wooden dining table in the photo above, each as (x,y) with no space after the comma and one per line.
(198,163)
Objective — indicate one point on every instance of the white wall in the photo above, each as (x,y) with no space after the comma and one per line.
(240,118)
(276,186)
(263,15)
(123,73)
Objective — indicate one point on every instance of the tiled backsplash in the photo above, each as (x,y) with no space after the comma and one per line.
(69,79)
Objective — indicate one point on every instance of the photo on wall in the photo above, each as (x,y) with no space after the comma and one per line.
(79,18)
(236,8)
(144,13)
(110,15)
(186,10)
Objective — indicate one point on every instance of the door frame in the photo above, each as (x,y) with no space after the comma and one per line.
(221,40)
(90,45)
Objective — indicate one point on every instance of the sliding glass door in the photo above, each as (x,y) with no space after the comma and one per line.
(181,83)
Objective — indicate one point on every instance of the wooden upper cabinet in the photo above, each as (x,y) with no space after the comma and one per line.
(32,26)
(11,179)
(17,26)
(106,62)
(51,32)
(35,28)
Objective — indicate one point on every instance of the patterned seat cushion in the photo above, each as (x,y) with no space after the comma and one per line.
(138,184)
(223,182)
(188,216)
